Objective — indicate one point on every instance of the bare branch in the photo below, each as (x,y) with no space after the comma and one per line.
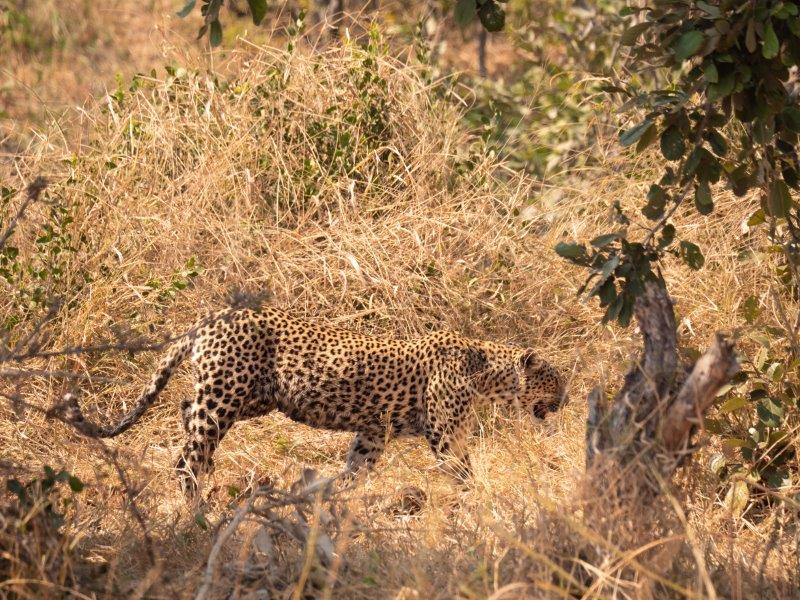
(34,189)
(710,373)
(660,402)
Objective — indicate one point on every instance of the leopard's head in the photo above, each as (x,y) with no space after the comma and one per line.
(543,387)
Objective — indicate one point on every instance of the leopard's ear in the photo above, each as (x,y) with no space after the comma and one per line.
(531,360)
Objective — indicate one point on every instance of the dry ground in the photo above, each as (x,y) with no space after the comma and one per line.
(344,185)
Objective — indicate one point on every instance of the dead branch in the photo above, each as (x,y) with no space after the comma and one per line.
(264,507)
(661,401)
(713,370)
(32,193)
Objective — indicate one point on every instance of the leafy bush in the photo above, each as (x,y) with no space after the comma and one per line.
(35,260)
(33,543)
(726,114)
(547,115)
(758,416)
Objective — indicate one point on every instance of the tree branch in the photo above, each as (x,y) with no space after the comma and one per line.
(659,404)
(710,373)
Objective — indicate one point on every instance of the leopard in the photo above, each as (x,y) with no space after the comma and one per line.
(250,362)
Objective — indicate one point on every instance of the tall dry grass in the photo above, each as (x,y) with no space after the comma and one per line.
(58,54)
(345,186)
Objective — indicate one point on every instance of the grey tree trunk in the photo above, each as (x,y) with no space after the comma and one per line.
(647,428)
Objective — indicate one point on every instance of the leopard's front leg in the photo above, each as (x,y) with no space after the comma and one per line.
(364,452)
(449,402)
(450,449)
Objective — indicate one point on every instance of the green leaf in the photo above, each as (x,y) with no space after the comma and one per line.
(691,255)
(770,412)
(632,33)
(600,288)
(771,45)
(737,497)
(258,9)
(711,10)
(757,218)
(570,250)
(737,443)
(672,143)
(791,116)
(632,135)
(702,198)
(465,12)
(201,521)
(740,180)
(656,201)
(624,317)
(15,487)
(607,293)
(667,236)
(612,312)
(717,141)
(791,176)
(215,33)
(733,404)
(688,45)
(724,87)
(750,309)
(75,484)
(779,200)
(794,26)
(776,371)
(187,8)
(750,37)
(608,268)
(604,240)
(694,160)
(492,16)
(710,72)
(647,138)
(775,478)
(759,361)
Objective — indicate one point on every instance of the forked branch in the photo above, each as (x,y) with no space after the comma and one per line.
(713,370)
(661,401)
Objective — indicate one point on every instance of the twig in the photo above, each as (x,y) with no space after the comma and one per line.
(32,192)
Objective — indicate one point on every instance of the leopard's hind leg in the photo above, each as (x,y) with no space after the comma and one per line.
(206,421)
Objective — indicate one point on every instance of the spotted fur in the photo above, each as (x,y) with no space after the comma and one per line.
(250,363)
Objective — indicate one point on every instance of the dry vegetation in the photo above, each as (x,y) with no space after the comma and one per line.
(345,186)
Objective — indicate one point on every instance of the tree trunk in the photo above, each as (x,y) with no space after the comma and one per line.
(648,427)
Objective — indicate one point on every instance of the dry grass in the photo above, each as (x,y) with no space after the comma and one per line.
(409,229)
(57,54)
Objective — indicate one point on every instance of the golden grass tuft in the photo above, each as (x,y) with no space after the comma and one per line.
(345,185)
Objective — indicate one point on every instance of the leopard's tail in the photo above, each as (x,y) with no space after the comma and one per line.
(175,355)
